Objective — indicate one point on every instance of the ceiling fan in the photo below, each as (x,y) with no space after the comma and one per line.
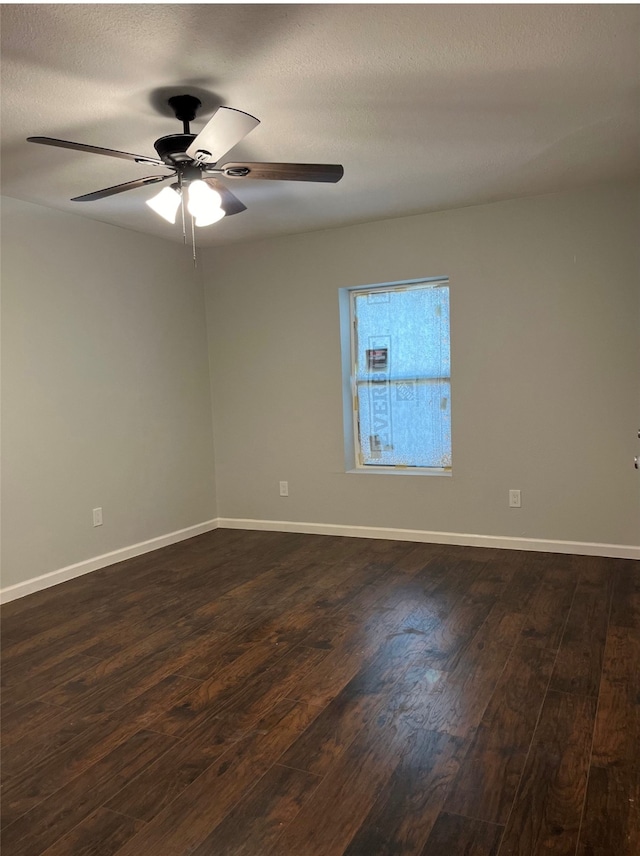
(193,163)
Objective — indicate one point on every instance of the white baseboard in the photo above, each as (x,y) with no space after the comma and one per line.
(63,574)
(503,542)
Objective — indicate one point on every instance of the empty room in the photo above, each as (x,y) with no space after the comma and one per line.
(320,430)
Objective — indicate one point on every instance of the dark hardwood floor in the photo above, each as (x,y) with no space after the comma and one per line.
(272,694)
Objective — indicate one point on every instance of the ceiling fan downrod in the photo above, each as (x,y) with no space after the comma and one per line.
(173,147)
(185,107)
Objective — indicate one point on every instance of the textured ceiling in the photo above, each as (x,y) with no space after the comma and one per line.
(426,106)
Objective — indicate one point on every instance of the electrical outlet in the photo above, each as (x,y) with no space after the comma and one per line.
(514,499)
(97,517)
(284,488)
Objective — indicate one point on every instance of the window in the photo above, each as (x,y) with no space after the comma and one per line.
(400,376)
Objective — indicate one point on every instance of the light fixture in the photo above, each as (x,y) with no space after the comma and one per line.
(205,203)
(165,203)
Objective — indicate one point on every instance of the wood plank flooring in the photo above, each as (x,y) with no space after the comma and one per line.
(268,694)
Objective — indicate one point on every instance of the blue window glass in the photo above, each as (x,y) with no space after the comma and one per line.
(402,376)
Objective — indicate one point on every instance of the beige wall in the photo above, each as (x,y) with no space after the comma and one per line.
(105,388)
(545,370)
(106,378)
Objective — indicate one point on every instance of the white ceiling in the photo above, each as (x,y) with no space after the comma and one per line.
(427,106)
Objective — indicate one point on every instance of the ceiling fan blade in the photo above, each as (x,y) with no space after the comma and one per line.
(328,172)
(221,133)
(230,203)
(120,188)
(96,150)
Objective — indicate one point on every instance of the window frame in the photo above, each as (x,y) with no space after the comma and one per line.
(349,333)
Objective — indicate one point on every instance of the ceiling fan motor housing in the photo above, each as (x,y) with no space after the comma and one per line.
(172,148)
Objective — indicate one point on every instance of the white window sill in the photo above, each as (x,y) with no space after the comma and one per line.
(399,471)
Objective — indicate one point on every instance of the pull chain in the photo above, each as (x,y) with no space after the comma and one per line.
(181,192)
(193,239)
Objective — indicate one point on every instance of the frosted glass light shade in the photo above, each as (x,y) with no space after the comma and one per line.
(210,216)
(204,203)
(202,198)
(165,203)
